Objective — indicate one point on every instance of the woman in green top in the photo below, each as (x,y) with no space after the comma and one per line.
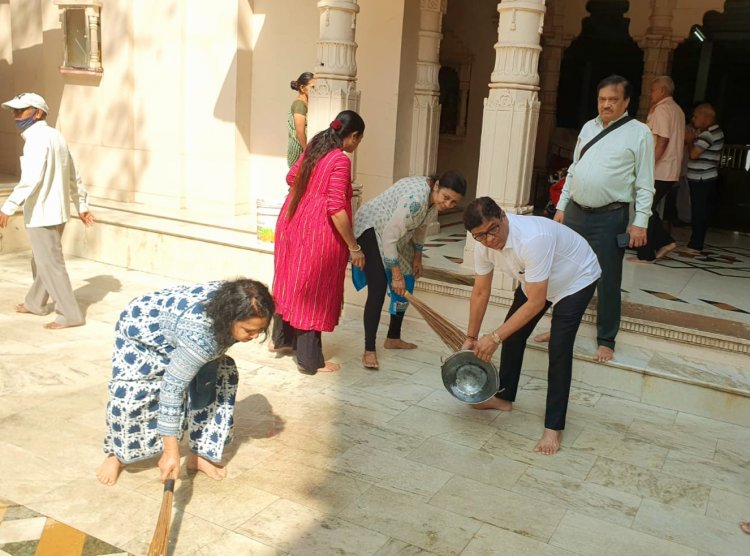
(297,119)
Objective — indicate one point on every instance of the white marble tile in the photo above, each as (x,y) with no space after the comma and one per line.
(297,529)
(19,530)
(592,537)
(585,497)
(707,471)
(580,396)
(456,428)
(710,371)
(478,465)
(392,385)
(688,528)
(321,490)
(728,506)
(672,438)
(437,529)
(493,540)
(500,507)
(695,400)
(662,487)
(621,447)
(395,547)
(713,428)
(733,453)
(391,471)
(568,461)
(235,543)
(531,426)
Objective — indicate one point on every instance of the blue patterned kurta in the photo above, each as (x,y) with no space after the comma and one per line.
(162,341)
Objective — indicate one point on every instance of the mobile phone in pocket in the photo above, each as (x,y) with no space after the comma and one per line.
(623,240)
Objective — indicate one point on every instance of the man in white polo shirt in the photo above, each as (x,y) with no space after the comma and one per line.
(49,183)
(555,267)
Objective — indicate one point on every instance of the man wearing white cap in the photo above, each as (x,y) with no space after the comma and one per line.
(49,183)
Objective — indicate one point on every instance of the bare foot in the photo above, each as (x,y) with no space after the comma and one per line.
(745,526)
(494,403)
(398,343)
(370,360)
(549,443)
(603,354)
(213,470)
(690,251)
(637,260)
(58,326)
(109,470)
(329,367)
(542,338)
(666,250)
(21,308)
(283,350)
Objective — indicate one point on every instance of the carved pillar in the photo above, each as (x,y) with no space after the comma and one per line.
(553,46)
(336,72)
(657,47)
(425,124)
(92,19)
(511,112)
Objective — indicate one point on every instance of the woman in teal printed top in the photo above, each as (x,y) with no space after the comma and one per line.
(391,229)
(170,374)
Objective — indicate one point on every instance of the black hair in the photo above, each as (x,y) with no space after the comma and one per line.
(325,141)
(302,80)
(236,300)
(479,211)
(616,80)
(452,180)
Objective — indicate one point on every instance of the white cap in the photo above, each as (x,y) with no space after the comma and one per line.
(25,100)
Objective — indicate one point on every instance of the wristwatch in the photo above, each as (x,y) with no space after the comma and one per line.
(495,337)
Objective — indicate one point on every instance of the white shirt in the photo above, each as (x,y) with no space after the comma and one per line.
(49,180)
(539,249)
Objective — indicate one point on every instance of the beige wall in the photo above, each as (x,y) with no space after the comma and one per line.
(379,33)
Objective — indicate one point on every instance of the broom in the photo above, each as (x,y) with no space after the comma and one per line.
(160,540)
(449,333)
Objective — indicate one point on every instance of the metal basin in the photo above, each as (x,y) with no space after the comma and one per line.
(468,378)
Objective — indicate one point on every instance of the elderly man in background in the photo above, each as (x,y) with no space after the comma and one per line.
(667,123)
(613,165)
(49,183)
(704,152)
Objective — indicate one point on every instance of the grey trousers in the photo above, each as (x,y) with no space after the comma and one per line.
(50,276)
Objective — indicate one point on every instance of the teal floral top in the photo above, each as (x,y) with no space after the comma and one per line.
(399,216)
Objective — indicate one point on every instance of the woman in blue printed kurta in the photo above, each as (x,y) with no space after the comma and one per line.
(391,229)
(170,374)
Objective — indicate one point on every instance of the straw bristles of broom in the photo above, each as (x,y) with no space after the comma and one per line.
(160,540)
(449,333)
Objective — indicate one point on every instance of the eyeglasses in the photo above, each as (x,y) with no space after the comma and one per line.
(493,231)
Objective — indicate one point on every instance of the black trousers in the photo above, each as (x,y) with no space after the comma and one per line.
(600,230)
(566,318)
(656,236)
(377,285)
(702,197)
(307,344)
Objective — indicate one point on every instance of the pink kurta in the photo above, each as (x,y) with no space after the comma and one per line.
(310,257)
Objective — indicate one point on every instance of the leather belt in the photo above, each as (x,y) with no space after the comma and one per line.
(606,208)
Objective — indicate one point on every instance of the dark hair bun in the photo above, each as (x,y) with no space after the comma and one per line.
(294,85)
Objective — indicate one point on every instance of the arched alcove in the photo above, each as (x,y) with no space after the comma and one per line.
(603,48)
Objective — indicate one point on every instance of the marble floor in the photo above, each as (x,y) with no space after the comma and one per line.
(358,462)
(715,284)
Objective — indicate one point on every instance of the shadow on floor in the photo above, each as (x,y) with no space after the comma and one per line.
(96,290)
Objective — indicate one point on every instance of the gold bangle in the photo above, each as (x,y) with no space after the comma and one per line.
(495,337)
(356,249)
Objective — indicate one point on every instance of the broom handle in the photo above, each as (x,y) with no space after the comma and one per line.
(159,541)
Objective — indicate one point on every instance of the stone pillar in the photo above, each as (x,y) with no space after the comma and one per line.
(657,47)
(553,46)
(92,18)
(336,71)
(511,113)
(425,125)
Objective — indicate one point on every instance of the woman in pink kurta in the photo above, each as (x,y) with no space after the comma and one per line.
(314,240)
